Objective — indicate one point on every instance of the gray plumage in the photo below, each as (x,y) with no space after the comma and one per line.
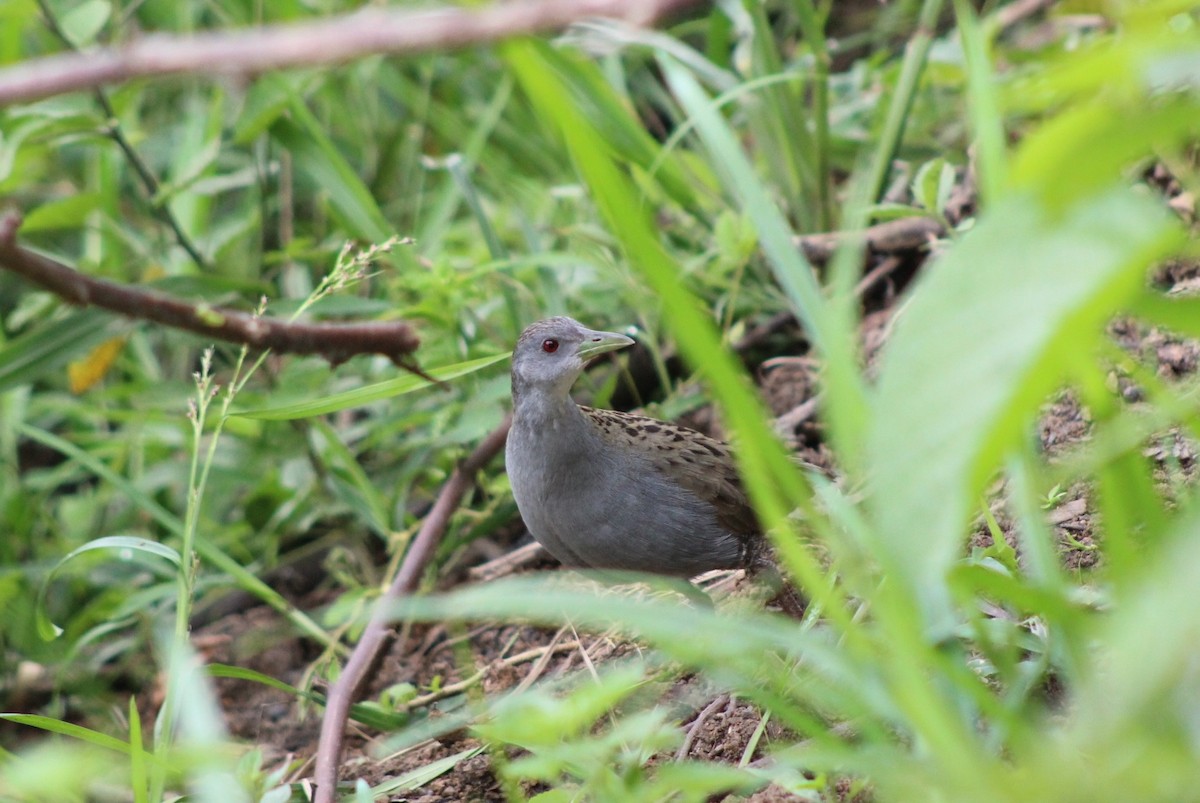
(607,490)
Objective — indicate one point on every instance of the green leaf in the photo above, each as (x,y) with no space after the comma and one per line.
(1179,313)
(242,673)
(991,329)
(52,725)
(415,779)
(157,512)
(266,100)
(138,778)
(350,482)
(593,97)
(927,185)
(987,123)
(826,323)
(730,646)
(1089,146)
(700,780)
(128,545)
(367,714)
(83,22)
(238,573)
(369,393)
(541,718)
(315,154)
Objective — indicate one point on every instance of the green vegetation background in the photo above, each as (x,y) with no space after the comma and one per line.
(528,180)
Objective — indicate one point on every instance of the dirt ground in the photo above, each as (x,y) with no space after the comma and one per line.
(718,728)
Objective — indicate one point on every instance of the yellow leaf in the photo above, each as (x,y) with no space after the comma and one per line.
(85,373)
(154,271)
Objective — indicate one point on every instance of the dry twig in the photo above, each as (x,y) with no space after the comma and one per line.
(507,563)
(337,707)
(877,274)
(541,654)
(694,729)
(904,234)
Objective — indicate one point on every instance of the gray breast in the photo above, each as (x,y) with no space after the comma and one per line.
(595,507)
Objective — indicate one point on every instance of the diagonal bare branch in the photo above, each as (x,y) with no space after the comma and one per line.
(420,552)
(336,342)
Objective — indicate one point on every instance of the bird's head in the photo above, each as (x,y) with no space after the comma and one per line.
(551,354)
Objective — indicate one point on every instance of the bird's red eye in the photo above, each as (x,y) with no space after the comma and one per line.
(549,345)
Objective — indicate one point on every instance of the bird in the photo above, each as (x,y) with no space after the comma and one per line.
(608,490)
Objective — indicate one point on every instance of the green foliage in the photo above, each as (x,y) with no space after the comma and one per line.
(532,184)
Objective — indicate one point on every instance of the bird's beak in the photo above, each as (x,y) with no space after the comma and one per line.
(595,343)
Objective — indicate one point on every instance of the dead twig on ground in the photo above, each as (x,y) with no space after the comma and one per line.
(507,563)
(341,695)
(543,660)
(698,723)
(876,275)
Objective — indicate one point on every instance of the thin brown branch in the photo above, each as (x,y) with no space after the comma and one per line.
(341,695)
(326,41)
(335,342)
(694,729)
(894,236)
(877,274)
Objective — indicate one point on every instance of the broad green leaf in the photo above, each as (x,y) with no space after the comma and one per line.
(990,330)
(704,780)
(1180,314)
(1089,146)
(369,393)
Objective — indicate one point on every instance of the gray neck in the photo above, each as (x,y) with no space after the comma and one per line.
(538,408)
